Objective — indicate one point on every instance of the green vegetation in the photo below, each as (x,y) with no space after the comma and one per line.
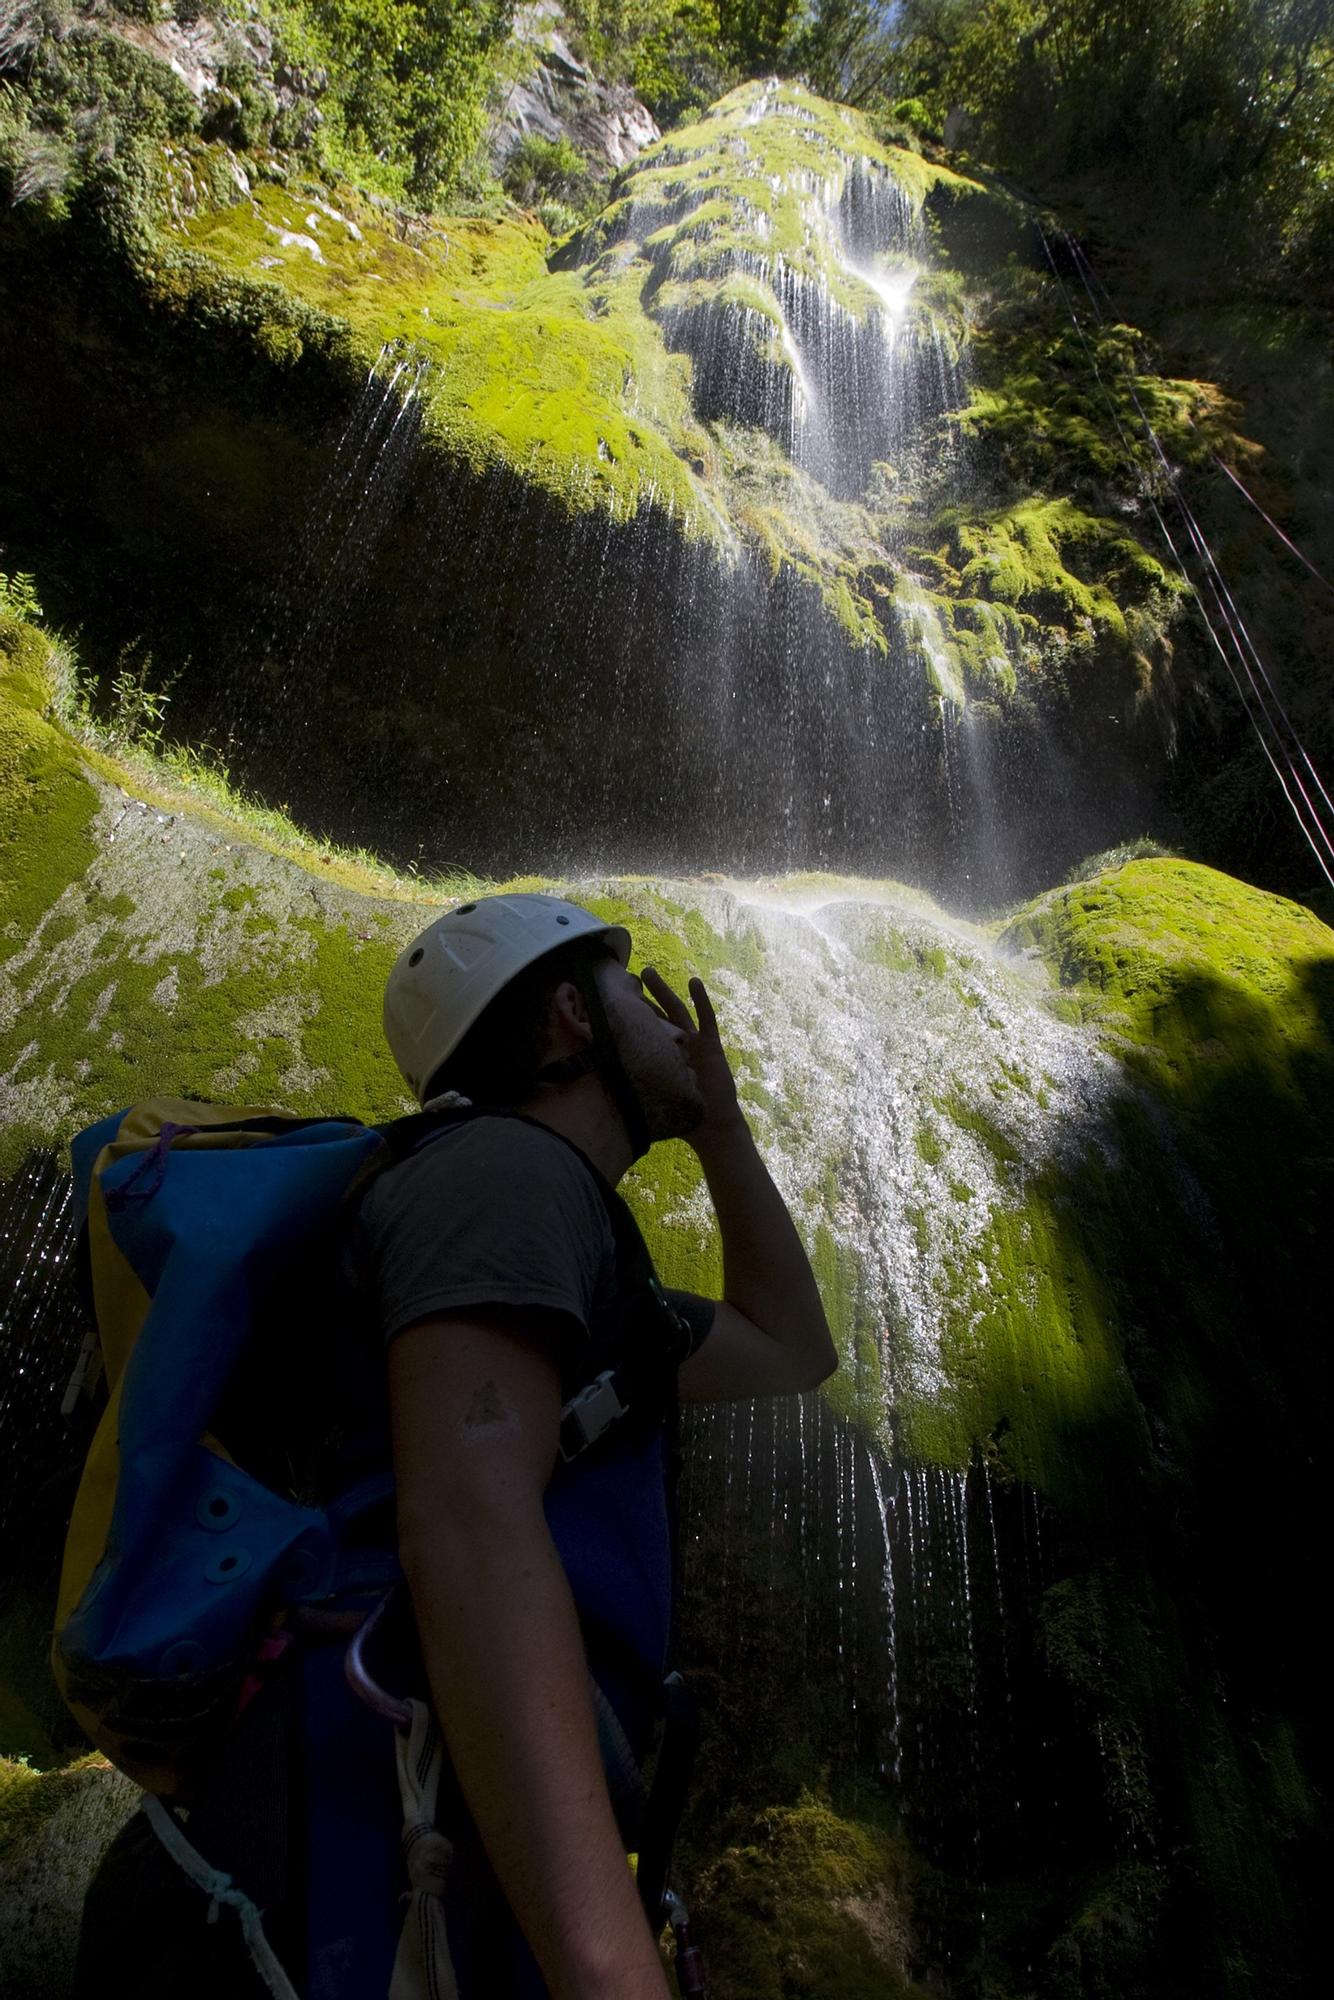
(556,373)
(751,175)
(1221,998)
(387,94)
(46,804)
(1192,968)
(1225,105)
(802,1903)
(567,369)
(552,176)
(403,100)
(89,107)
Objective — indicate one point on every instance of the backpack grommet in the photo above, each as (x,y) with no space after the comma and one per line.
(183,1661)
(225,1568)
(217,1510)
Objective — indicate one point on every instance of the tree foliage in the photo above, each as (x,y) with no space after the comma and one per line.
(404,82)
(847,49)
(679,54)
(1223,103)
(669,51)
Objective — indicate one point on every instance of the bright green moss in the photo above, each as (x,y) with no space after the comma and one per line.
(1067,405)
(1035,555)
(930,1150)
(1031,1354)
(969,1118)
(556,373)
(856,1393)
(134,963)
(1221,997)
(803,1903)
(46,804)
(1191,966)
(19,1795)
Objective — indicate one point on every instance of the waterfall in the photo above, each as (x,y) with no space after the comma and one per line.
(516,667)
(773,700)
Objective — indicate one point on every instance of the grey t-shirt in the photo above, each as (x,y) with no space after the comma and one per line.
(498,1212)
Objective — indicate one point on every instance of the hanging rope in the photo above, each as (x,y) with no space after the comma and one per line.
(221,1892)
(1263,708)
(1270,701)
(1269,522)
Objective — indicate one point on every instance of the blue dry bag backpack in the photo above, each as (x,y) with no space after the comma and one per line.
(178,1560)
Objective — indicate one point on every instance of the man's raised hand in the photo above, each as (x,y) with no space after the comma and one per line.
(704,1049)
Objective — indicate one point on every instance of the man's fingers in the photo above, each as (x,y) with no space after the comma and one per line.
(708,1020)
(672,1005)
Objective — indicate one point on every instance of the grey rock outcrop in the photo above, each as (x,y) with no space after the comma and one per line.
(217,45)
(560,98)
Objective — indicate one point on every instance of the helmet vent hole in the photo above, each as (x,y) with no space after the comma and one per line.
(562,920)
(417,956)
(465,909)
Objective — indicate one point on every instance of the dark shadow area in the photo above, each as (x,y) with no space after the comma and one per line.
(43,1322)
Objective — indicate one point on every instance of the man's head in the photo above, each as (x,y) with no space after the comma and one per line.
(510,994)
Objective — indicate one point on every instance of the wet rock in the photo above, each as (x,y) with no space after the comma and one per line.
(54,1829)
(561,99)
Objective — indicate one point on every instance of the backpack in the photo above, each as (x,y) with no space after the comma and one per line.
(180,1563)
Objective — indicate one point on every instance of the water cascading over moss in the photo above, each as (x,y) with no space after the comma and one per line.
(1010,1160)
(775,520)
(391,452)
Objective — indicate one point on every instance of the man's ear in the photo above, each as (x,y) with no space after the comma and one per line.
(571,1028)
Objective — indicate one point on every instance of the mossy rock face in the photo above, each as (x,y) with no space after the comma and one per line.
(1192,967)
(54,1829)
(171,952)
(556,374)
(749,218)
(390,451)
(1023,1189)
(802,1903)
(961,1153)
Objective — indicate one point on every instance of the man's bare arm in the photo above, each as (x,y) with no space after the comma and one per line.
(476,1403)
(770,1336)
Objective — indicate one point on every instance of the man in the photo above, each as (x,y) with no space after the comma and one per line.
(505,1269)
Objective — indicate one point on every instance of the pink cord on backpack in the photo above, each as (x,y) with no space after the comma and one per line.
(270,1651)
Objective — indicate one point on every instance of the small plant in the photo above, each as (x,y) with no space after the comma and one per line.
(138,709)
(1142,848)
(549,170)
(557,217)
(18,597)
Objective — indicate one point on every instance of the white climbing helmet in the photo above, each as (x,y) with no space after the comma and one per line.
(449,975)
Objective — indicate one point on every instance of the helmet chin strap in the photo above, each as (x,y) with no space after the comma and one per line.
(602,1058)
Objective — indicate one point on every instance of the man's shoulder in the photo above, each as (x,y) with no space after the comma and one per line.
(494,1211)
(490,1154)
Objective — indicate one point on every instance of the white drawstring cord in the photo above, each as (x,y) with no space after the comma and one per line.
(220,1889)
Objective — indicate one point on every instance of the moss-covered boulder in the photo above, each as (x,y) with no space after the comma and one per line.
(54,1829)
(809,1903)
